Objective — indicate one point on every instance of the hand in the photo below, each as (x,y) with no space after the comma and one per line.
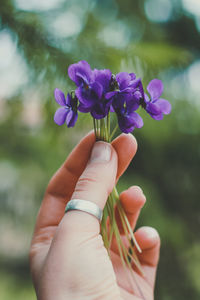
(67,256)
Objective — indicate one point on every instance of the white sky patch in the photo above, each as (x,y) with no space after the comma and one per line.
(192,6)
(37,5)
(116,35)
(158,10)
(67,24)
(13,71)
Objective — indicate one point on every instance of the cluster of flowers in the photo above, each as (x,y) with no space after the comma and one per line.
(100,92)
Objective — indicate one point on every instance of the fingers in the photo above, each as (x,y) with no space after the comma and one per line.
(149,241)
(132,201)
(62,184)
(94,185)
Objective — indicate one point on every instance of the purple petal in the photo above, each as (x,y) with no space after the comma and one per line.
(110,94)
(123,126)
(84,109)
(153,108)
(135,83)
(157,117)
(97,89)
(69,100)
(112,109)
(137,96)
(146,98)
(128,122)
(59,97)
(123,79)
(85,97)
(99,111)
(60,115)
(137,119)
(71,119)
(103,77)
(82,78)
(133,76)
(155,88)
(132,105)
(80,72)
(164,105)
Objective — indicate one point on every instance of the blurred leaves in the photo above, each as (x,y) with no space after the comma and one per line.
(33,147)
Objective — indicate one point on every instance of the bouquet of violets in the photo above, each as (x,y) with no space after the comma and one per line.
(103,94)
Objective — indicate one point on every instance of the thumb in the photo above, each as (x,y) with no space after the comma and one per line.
(95,184)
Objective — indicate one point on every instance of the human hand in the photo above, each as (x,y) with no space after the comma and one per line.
(67,257)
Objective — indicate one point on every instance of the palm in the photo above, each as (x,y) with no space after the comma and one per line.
(129,285)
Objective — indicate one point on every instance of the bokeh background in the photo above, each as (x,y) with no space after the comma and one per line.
(154,39)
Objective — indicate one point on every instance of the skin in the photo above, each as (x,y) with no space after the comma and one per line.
(67,256)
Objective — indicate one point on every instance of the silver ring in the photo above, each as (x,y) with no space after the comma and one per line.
(86,206)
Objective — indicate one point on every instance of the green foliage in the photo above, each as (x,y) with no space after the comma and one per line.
(167,163)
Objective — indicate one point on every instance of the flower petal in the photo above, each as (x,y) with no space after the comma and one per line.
(153,108)
(128,122)
(110,94)
(83,109)
(112,109)
(103,77)
(164,105)
(123,79)
(132,105)
(80,72)
(69,100)
(97,88)
(155,88)
(99,111)
(137,119)
(133,76)
(157,117)
(71,119)
(60,115)
(85,96)
(146,98)
(59,97)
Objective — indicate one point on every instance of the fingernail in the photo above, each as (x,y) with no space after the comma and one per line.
(151,232)
(101,152)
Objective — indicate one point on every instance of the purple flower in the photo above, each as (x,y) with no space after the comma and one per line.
(128,119)
(68,110)
(91,87)
(156,106)
(125,88)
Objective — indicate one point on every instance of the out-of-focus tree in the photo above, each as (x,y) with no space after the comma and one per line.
(38,41)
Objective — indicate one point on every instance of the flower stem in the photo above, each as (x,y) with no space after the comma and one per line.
(95,128)
(110,230)
(113,133)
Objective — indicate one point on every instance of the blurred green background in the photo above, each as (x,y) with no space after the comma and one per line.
(154,39)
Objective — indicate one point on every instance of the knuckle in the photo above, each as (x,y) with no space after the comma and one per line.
(84,182)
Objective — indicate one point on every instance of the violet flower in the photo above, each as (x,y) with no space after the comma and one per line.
(156,107)
(68,110)
(128,119)
(91,87)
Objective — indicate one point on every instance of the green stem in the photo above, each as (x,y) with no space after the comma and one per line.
(113,132)
(108,126)
(120,208)
(95,128)
(128,255)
